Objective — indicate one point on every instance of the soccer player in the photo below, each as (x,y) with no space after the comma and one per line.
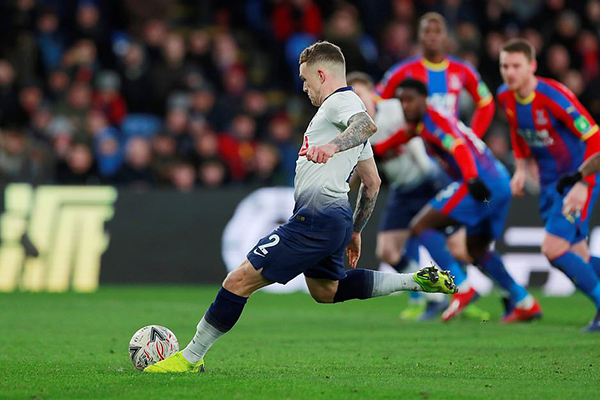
(445,78)
(478,198)
(414,180)
(548,123)
(322,226)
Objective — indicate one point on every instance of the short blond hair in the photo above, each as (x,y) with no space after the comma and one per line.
(432,16)
(322,51)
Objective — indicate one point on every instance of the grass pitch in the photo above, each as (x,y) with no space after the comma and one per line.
(74,346)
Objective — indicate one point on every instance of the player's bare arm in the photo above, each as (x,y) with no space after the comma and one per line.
(365,203)
(517,183)
(360,128)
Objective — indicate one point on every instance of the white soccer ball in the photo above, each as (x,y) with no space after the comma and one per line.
(152,344)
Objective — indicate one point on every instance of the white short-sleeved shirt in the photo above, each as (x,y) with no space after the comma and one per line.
(413,166)
(319,187)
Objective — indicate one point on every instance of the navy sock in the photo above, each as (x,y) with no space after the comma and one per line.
(595,262)
(411,253)
(224,312)
(435,243)
(581,273)
(492,264)
(358,284)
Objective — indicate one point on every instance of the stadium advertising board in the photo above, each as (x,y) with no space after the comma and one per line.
(88,236)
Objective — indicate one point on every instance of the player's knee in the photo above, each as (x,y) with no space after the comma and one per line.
(234,280)
(553,248)
(388,254)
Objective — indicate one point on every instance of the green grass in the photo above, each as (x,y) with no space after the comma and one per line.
(74,346)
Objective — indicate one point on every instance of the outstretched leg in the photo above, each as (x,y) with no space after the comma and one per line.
(220,317)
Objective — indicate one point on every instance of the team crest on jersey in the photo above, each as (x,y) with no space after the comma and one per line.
(454,82)
(304,148)
(540,117)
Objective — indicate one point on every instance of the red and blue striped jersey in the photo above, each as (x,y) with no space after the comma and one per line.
(445,81)
(456,148)
(552,126)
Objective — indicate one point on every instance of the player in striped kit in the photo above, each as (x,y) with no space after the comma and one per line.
(549,124)
(445,78)
(478,197)
(322,227)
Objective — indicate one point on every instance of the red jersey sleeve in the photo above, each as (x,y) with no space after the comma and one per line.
(392,78)
(484,101)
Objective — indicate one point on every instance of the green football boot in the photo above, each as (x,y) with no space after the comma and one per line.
(433,280)
(176,364)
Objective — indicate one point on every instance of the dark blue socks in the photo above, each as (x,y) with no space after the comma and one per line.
(224,312)
(492,264)
(358,284)
(581,273)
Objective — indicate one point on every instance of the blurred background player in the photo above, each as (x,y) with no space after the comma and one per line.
(481,207)
(548,123)
(322,227)
(414,179)
(446,77)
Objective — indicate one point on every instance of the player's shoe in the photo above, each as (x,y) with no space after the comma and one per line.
(433,280)
(475,313)
(433,309)
(519,314)
(594,326)
(412,311)
(458,303)
(176,364)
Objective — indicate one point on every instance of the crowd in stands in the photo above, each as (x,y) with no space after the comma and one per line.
(201,93)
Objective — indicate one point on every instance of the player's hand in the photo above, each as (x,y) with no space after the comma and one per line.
(575,199)
(567,180)
(517,183)
(321,154)
(353,250)
(478,190)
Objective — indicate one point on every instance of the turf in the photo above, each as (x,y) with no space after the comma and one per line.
(68,346)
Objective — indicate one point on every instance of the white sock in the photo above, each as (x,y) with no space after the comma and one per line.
(526,303)
(385,283)
(434,297)
(205,336)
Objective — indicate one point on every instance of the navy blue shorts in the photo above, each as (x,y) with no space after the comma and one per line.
(293,249)
(401,207)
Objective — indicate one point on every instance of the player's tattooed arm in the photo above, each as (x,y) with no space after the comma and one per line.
(364,207)
(367,194)
(360,128)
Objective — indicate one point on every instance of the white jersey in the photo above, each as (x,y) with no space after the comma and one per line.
(413,166)
(321,189)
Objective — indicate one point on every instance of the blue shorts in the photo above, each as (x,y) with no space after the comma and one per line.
(293,249)
(481,218)
(402,206)
(575,227)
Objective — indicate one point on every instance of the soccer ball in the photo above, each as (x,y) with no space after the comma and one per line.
(150,345)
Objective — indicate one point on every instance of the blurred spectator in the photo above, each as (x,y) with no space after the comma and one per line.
(30,97)
(169,75)
(136,170)
(238,147)
(105,143)
(18,161)
(79,101)
(108,99)
(296,16)
(212,173)
(557,61)
(267,167)
(182,176)
(344,30)
(8,94)
(51,41)
(282,137)
(58,86)
(78,168)
(137,83)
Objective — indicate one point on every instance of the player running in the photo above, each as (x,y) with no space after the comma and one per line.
(445,78)
(414,180)
(478,198)
(322,227)
(548,123)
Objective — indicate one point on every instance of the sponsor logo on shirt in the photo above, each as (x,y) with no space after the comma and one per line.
(536,138)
